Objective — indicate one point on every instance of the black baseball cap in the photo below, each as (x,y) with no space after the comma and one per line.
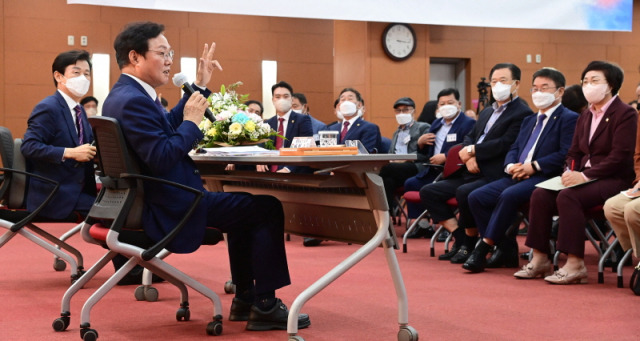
(404,101)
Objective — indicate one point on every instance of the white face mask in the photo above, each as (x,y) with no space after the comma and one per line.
(543,100)
(403,119)
(91,112)
(283,105)
(447,111)
(78,86)
(347,109)
(501,91)
(339,115)
(594,93)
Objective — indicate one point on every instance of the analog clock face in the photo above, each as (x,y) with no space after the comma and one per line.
(399,41)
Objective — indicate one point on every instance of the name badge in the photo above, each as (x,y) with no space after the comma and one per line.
(406,139)
(451,138)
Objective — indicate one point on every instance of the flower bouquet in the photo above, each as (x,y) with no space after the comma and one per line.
(233,126)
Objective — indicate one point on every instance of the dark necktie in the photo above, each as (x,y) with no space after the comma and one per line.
(279,139)
(344,131)
(532,138)
(159,104)
(79,125)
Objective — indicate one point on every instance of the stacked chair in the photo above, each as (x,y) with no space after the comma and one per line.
(114,222)
(17,221)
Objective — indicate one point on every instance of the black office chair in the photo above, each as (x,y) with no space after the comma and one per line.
(114,222)
(18,221)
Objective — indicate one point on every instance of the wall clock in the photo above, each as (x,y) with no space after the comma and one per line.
(399,41)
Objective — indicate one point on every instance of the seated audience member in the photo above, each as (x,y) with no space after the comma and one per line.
(165,103)
(573,99)
(601,152)
(90,105)
(449,129)
(623,212)
(634,104)
(537,155)
(350,125)
(287,123)
(471,114)
(254,107)
(485,148)
(299,104)
(404,141)
(254,223)
(428,113)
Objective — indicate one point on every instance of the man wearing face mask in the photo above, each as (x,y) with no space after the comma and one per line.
(57,142)
(404,141)
(351,125)
(287,123)
(449,129)
(537,155)
(485,148)
(90,105)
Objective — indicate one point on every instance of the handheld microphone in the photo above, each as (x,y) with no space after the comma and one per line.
(181,80)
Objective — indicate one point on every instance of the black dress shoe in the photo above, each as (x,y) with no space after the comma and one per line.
(525,255)
(478,258)
(461,256)
(239,310)
(311,242)
(135,277)
(505,255)
(448,255)
(421,232)
(442,237)
(275,318)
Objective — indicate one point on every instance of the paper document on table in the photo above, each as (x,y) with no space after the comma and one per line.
(555,184)
(240,151)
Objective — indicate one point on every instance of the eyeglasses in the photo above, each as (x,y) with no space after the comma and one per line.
(165,55)
(404,111)
(593,81)
(542,89)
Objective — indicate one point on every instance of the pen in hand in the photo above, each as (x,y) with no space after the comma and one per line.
(78,163)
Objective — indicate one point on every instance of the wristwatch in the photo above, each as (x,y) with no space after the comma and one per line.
(470,149)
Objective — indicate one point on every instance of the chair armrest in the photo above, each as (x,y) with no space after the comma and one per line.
(18,225)
(155,249)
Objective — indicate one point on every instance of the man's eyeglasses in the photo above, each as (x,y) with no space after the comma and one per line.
(404,111)
(542,89)
(164,54)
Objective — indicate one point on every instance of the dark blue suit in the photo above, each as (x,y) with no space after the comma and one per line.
(366,132)
(461,127)
(255,224)
(298,125)
(495,205)
(50,130)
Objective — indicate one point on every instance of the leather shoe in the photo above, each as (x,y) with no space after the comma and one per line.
(461,256)
(530,271)
(421,232)
(505,255)
(239,310)
(478,258)
(563,277)
(274,318)
(451,253)
(442,237)
(311,242)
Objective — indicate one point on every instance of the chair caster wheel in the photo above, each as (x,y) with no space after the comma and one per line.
(229,287)
(407,333)
(183,314)
(214,328)
(59,264)
(146,293)
(295,338)
(88,334)
(61,323)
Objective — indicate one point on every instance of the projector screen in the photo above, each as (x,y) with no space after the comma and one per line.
(596,15)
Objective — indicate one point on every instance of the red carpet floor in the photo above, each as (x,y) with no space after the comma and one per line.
(445,302)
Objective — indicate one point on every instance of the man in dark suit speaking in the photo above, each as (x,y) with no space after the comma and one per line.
(161,142)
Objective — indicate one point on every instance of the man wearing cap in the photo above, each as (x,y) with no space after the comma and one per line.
(404,141)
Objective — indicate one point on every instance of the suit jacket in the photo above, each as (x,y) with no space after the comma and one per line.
(416,130)
(161,141)
(491,152)
(366,132)
(553,143)
(50,130)
(298,125)
(612,147)
(461,127)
